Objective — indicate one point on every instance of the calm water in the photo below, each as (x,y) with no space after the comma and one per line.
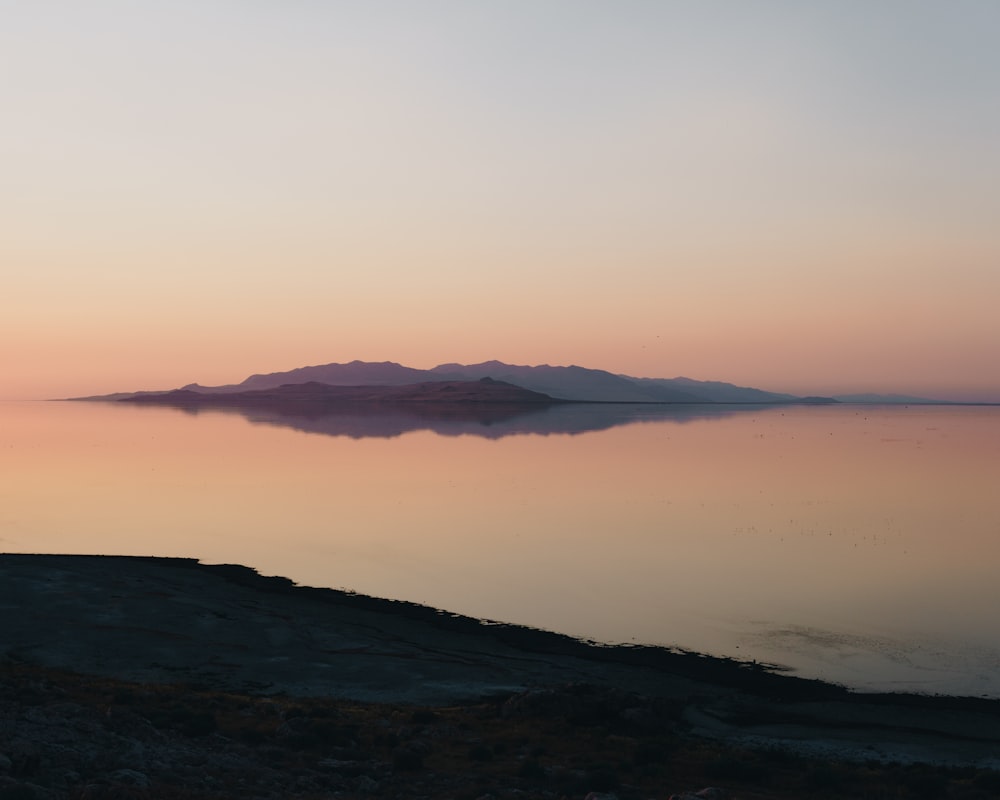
(856,544)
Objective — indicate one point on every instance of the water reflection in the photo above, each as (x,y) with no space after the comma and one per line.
(855,545)
(488,421)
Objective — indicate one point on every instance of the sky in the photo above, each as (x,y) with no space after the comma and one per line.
(801,197)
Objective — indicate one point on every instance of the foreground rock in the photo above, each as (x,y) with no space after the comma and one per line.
(227,629)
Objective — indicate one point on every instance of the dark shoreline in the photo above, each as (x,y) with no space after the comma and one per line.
(755,677)
(227,628)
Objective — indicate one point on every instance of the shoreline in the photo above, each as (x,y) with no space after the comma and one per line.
(226,627)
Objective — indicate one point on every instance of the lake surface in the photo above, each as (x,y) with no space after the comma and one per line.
(858,544)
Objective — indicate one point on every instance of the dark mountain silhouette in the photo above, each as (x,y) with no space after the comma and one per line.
(893,399)
(356,373)
(716,390)
(483,407)
(563,383)
(569,383)
(572,383)
(320,397)
(491,399)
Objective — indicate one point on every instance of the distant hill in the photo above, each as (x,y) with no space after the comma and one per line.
(719,392)
(322,397)
(356,373)
(886,398)
(562,383)
(569,383)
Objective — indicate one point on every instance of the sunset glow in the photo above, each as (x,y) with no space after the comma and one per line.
(798,197)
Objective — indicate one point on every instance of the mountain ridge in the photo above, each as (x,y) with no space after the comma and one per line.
(324,397)
(567,383)
(572,382)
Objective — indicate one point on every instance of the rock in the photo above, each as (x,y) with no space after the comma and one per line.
(708,793)
(405,759)
(642,719)
(365,785)
(21,791)
(337,765)
(130,777)
(25,764)
(71,777)
(5,763)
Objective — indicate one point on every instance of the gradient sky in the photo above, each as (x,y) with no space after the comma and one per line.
(803,197)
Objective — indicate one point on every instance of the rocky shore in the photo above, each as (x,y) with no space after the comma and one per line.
(144,677)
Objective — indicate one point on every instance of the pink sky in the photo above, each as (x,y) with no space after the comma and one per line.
(803,199)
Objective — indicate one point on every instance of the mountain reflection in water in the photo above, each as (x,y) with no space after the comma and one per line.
(487,421)
(856,544)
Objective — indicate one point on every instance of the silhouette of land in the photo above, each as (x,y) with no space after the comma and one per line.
(558,382)
(318,397)
(491,399)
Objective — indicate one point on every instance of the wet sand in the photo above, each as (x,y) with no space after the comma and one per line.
(228,628)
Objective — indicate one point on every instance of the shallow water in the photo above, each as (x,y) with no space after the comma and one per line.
(853,543)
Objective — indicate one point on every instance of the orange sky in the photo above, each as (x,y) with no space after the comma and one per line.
(802,199)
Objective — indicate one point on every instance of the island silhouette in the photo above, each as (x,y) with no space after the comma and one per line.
(491,399)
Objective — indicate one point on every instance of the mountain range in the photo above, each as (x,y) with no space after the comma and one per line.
(571,383)
(324,397)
